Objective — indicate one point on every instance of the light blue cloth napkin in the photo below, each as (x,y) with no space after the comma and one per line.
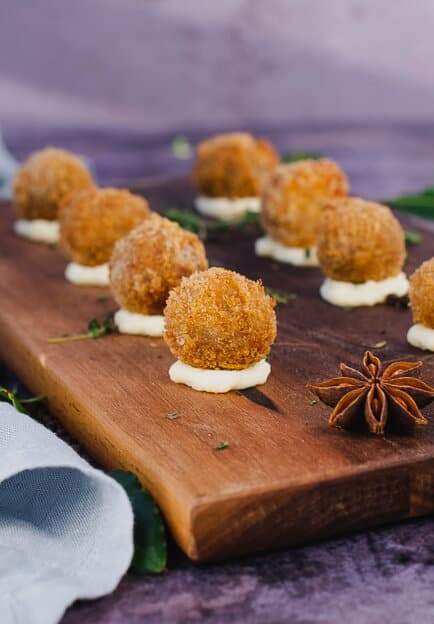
(66,529)
(8,168)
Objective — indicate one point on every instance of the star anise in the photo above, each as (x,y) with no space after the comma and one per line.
(381,396)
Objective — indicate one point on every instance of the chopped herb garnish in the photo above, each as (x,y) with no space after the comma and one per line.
(95,329)
(280,297)
(209,229)
(290,157)
(10,396)
(188,220)
(421,204)
(412,237)
(221,446)
(182,148)
(34,399)
(150,546)
(102,299)
(249,218)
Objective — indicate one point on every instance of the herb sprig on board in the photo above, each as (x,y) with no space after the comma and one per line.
(208,229)
(412,237)
(182,148)
(95,329)
(279,296)
(150,544)
(10,396)
(420,204)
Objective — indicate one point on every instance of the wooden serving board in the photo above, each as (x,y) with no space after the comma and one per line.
(286,477)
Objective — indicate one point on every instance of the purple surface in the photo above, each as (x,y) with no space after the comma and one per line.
(381,160)
(376,577)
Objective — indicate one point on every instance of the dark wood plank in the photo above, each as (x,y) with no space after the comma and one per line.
(287,477)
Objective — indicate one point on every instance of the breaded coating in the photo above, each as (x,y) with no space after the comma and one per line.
(422,294)
(150,261)
(294,198)
(95,219)
(219,319)
(46,181)
(359,241)
(233,165)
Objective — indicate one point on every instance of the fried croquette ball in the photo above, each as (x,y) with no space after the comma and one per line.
(95,219)
(360,241)
(150,261)
(219,319)
(294,198)
(233,165)
(46,181)
(422,294)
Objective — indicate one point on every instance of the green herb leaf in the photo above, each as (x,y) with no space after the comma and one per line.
(249,218)
(429,191)
(150,546)
(10,396)
(95,329)
(221,446)
(290,157)
(209,229)
(280,297)
(187,219)
(249,223)
(182,148)
(35,399)
(421,204)
(412,237)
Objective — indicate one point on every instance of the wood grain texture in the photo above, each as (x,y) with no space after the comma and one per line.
(286,477)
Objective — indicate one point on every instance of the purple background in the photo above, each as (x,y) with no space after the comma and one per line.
(172,65)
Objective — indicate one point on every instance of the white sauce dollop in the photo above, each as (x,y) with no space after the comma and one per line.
(217,381)
(139,324)
(226,209)
(422,337)
(39,230)
(349,295)
(82,275)
(298,256)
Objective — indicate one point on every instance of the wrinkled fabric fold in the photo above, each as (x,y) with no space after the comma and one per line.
(66,529)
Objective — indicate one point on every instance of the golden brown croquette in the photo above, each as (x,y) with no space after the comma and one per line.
(359,241)
(46,181)
(233,165)
(92,222)
(294,197)
(422,294)
(150,261)
(219,319)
